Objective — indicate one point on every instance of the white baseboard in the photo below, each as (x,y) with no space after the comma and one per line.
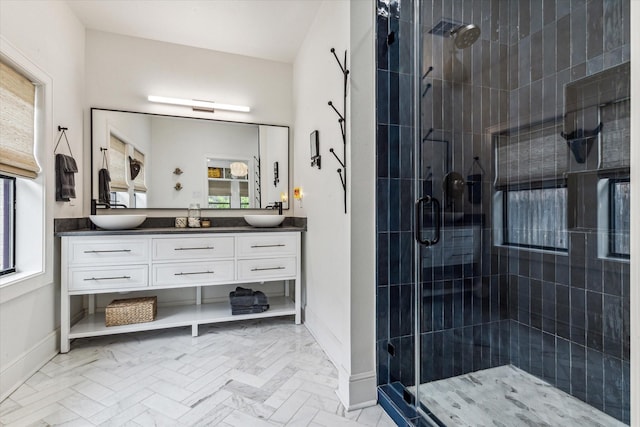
(354,391)
(28,363)
(329,343)
(357,391)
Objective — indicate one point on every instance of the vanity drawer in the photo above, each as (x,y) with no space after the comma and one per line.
(104,279)
(193,273)
(192,248)
(458,237)
(108,251)
(267,244)
(257,269)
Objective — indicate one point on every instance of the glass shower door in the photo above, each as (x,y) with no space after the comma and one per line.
(460,299)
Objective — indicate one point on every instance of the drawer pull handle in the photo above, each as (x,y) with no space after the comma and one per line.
(111,251)
(107,278)
(267,268)
(268,246)
(194,272)
(193,249)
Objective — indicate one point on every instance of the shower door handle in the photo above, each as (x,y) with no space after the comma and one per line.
(418,220)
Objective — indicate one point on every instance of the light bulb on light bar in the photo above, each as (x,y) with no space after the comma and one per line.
(198,104)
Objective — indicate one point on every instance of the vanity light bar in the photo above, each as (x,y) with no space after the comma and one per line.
(198,104)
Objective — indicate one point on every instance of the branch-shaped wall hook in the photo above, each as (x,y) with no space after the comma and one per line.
(342,122)
(337,158)
(341,119)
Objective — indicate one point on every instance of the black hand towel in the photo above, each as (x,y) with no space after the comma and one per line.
(104,188)
(65,180)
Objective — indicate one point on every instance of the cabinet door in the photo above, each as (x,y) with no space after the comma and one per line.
(193,273)
(192,248)
(267,244)
(267,268)
(108,278)
(108,251)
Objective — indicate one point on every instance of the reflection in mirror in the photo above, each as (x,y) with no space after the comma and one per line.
(222,165)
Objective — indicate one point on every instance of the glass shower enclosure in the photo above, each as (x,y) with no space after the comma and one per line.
(503,211)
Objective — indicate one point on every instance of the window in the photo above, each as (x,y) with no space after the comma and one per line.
(17,159)
(535,218)
(7,218)
(619,218)
(228,184)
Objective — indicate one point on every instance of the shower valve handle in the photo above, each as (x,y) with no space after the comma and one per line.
(435,211)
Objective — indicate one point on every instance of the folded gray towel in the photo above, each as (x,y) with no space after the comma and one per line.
(250,310)
(244,298)
(65,180)
(241,292)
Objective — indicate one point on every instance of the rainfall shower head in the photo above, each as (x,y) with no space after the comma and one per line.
(465,36)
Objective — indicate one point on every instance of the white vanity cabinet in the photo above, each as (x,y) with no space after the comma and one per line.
(94,263)
(457,246)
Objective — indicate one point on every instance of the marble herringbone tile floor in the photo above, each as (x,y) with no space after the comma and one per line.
(249,374)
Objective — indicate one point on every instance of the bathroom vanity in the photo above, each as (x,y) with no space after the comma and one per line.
(99,262)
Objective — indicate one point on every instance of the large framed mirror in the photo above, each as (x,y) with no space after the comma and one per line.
(153,161)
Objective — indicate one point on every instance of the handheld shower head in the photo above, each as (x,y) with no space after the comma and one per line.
(465,36)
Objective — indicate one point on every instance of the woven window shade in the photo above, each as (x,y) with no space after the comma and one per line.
(138,182)
(17,117)
(616,135)
(118,164)
(530,155)
(606,93)
(220,188)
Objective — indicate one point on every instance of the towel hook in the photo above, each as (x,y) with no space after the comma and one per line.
(105,161)
(476,161)
(63,130)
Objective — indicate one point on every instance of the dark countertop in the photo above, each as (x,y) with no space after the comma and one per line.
(81,227)
(173,230)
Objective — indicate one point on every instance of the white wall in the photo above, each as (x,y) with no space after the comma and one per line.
(122,71)
(326,244)
(204,139)
(49,36)
(360,389)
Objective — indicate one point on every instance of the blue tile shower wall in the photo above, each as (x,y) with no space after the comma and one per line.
(395,188)
(573,308)
(561,317)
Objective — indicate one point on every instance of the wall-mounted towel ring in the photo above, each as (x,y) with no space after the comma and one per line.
(104,179)
(474,181)
(66,168)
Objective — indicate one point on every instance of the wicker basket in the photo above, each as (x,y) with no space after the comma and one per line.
(132,310)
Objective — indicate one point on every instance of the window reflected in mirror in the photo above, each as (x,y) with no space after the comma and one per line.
(229,186)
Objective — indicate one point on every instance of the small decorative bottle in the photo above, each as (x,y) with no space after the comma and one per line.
(193,217)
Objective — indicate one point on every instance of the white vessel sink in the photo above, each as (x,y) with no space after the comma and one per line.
(117,222)
(264,220)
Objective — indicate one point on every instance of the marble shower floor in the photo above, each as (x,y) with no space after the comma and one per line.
(247,374)
(505,397)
